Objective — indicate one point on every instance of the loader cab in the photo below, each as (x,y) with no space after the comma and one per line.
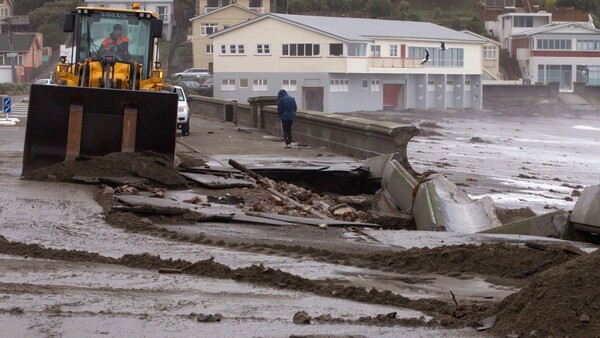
(91,26)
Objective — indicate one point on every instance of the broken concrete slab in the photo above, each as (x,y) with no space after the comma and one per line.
(441,205)
(587,208)
(217,182)
(312,221)
(553,224)
(377,165)
(398,185)
(224,212)
(167,203)
(388,216)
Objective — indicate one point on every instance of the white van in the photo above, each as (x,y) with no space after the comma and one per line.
(183,112)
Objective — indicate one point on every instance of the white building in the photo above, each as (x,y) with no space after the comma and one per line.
(348,64)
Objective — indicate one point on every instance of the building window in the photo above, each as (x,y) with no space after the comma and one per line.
(228,85)
(592,77)
(489,52)
(336,49)
(467,85)
(263,48)
(554,44)
(430,86)
(209,49)
(375,51)
(232,49)
(289,85)
(209,28)
(301,49)
(588,44)
(394,50)
(260,85)
(365,84)
(162,12)
(243,83)
(449,86)
(339,85)
(357,49)
(375,86)
(523,21)
(451,57)
(5,60)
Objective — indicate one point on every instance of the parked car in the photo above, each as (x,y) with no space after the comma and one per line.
(183,112)
(190,87)
(208,83)
(191,73)
(43,81)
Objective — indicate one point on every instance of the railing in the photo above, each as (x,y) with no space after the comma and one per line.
(259,10)
(391,62)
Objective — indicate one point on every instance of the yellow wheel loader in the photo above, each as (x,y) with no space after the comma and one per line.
(107,97)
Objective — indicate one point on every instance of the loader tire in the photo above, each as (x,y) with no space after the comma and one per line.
(185,129)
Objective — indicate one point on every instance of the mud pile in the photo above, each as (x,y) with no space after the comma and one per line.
(562,302)
(149,165)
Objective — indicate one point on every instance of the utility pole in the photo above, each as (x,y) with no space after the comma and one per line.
(11,55)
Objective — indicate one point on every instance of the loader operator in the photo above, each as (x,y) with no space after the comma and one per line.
(116,43)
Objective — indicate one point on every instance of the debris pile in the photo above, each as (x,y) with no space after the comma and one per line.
(148,165)
(563,302)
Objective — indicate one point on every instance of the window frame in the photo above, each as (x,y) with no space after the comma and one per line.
(204,28)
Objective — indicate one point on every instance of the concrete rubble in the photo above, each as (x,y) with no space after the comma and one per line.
(437,204)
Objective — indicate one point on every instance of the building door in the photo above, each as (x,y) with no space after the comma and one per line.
(566,80)
(393,96)
(312,98)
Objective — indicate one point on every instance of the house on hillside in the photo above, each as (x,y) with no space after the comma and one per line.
(490,57)
(16,23)
(27,52)
(212,22)
(257,6)
(164,9)
(563,53)
(334,64)
(514,17)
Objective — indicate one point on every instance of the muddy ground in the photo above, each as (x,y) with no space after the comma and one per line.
(71,264)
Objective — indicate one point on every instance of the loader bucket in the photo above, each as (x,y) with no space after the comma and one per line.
(66,122)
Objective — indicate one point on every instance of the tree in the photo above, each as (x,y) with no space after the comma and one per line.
(379,8)
(23,7)
(584,5)
(49,20)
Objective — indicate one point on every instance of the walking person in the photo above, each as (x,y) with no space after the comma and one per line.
(286,107)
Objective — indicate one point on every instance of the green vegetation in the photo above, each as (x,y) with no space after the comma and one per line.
(49,20)
(9,88)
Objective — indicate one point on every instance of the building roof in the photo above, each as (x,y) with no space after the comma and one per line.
(21,42)
(223,8)
(554,26)
(481,37)
(365,30)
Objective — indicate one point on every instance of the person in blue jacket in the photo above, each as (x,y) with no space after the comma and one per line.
(286,107)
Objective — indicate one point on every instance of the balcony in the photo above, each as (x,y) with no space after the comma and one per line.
(500,3)
(379,62)
(259,10)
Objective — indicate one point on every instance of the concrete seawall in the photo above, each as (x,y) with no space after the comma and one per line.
(352,136)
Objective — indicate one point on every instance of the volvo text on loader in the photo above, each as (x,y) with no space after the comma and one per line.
(103,100)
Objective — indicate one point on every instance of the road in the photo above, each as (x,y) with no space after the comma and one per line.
(100,280)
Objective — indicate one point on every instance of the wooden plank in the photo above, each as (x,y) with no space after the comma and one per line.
(129,130)
(74,132)
(216,182)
